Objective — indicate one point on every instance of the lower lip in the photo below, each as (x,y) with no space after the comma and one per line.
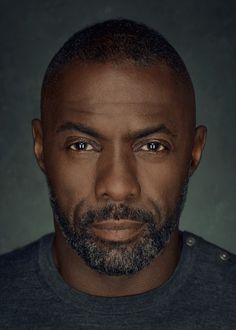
(117,231)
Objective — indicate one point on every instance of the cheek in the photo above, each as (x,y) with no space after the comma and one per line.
(162,182)
(70,178)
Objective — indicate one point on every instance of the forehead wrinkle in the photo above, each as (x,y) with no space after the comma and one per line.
(133,134)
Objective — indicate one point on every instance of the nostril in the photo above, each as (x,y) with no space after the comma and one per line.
(117,193)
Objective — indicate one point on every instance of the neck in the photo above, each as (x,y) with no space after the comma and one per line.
(80,276)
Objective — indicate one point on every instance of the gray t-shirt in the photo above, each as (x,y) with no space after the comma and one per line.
(200,294)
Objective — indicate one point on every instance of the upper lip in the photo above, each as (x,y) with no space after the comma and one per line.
(118,224)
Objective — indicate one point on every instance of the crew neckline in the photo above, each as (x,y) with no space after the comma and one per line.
(115,305)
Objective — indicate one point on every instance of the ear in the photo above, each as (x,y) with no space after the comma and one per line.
(37,132)
(198,146)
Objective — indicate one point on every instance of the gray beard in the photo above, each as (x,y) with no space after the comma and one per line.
(118,258)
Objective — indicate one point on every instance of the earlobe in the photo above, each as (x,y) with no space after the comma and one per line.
(198,147)
(37,133)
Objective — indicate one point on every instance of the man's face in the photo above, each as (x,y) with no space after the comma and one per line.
(117,145)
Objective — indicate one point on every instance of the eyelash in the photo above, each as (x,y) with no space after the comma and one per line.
(158,143)
(78,143)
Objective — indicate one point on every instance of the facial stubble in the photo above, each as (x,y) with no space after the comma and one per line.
(117,258)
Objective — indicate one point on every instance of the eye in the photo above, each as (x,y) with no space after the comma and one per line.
(153,146)
(80,146)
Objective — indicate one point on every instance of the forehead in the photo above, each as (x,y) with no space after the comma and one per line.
(118,92)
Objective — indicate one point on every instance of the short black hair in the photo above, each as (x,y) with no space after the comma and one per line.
(117,40)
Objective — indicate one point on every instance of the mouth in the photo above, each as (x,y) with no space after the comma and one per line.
(117,230)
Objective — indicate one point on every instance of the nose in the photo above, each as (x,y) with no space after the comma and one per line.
(116,179)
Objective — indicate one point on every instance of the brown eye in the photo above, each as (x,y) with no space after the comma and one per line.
(81,146)
(153,146)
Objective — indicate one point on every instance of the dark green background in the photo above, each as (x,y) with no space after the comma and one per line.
(204,34)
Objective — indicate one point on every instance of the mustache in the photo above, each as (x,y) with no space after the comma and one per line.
(111,211)
(116,213)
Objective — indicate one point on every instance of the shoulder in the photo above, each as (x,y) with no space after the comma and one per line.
(20,260)
(208,252)
(213,266)
(21,286)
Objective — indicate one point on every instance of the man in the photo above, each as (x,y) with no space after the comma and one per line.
(118,142)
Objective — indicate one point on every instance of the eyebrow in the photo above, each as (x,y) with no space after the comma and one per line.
(151,130)
(70,126)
